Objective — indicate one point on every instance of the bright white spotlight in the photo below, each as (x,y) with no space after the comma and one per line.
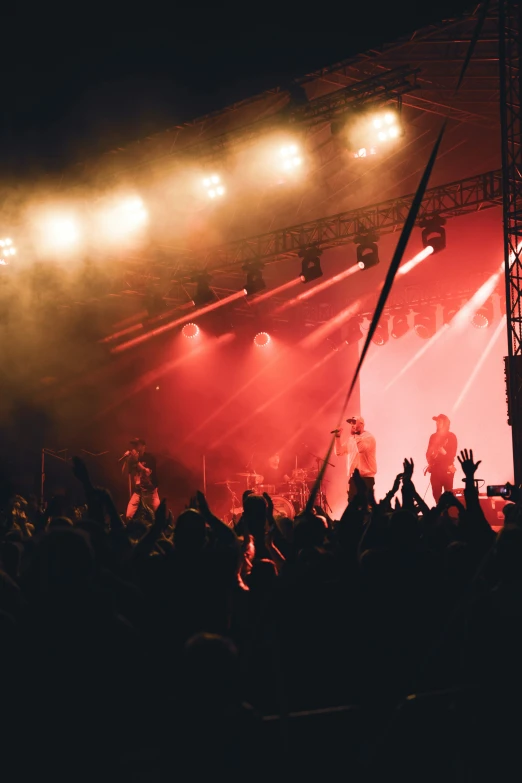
(261,339)
(377,123)
(190,331)
(389,118)
(290,157)
(60,233)
(393,132)
(213,186)
(6,250)
(382,135)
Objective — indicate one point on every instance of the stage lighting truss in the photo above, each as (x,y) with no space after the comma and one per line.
(425,322)
(214,186)
(434,233)
(381,335)
(367,250)
(204,294)
(400,324)
(311,264)
(483,317)
(254,278)
(370,132)
(262,339)
(7,250)
(190,331)
(290,158)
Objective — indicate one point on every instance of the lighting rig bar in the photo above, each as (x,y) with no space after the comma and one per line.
(383,87)
(454,199)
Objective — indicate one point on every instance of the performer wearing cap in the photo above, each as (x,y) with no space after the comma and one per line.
(442,448)
(141,467)
(359,449)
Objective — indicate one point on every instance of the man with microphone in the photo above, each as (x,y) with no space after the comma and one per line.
(359,449)
(141,467)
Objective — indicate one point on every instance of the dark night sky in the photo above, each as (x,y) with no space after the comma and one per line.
(78,82)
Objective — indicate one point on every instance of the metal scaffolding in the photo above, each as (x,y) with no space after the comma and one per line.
(510,27)
(453,199)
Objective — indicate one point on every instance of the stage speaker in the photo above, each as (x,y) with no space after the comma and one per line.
(492,508)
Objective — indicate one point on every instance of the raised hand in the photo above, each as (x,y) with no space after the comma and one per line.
(247,494)
(162,517)
(269,503)
(408,469)
(359,483)
(202,503)
(396,484)
(466,462)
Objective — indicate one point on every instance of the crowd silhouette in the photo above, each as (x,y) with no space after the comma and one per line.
(385,643)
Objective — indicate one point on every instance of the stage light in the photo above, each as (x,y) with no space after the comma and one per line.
(367,251)
(353,331)
(190,331)
(381,334)
(483,317)
(214,186)
(368,131)
(290,157)
(60,233)
(311,264)
(261,339)
(424,323)
(254,279)
(433,233)
(120,217)
(203,294)
(7,250)
(400,325)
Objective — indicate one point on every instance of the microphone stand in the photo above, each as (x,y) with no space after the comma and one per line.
(324,504)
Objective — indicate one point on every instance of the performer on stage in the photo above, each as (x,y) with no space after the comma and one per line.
(273,472)
(359,449)
(442,448)
(141,467)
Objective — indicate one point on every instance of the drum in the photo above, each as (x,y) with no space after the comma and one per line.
(262,488)
(282,507)
(299,474)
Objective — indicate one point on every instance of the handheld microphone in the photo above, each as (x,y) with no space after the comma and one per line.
(123,456)
(334,432)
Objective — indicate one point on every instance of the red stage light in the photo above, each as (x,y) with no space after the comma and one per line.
(261,339)
(190,331)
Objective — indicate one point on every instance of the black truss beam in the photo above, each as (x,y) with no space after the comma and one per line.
(451,200)
(386,86)
(510,56)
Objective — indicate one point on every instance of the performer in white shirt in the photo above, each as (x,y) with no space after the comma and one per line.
(359,449)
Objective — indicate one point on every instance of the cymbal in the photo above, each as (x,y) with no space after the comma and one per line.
(217,483)
(248,475)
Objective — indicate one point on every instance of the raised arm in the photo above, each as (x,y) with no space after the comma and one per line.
(340,448)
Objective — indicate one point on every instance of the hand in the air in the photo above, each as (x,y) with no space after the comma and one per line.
(466,462)
(408,469)
(269,503)
(246,494)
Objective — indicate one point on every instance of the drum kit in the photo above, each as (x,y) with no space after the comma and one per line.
(289,498)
